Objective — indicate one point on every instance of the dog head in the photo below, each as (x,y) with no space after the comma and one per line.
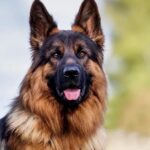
(69,53)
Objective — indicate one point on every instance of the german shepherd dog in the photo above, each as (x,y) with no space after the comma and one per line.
(61,101)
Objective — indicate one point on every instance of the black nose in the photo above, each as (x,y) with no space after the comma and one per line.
(71,71)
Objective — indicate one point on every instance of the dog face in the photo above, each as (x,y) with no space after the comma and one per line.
(67,53)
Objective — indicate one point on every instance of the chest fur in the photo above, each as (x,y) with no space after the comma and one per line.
(62,142)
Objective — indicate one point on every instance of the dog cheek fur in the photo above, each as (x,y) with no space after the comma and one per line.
(37,110)
(99,82)
(40,100)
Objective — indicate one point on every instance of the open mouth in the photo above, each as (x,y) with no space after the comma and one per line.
(72,94)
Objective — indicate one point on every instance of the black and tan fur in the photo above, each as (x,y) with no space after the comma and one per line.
(39,119)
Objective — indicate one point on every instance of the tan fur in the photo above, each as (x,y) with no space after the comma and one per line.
(76,28)
(40,121)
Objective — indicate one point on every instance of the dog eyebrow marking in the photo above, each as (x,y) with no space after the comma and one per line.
(57,44)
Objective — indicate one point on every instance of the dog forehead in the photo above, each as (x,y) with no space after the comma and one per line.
(69,41)
(68,37)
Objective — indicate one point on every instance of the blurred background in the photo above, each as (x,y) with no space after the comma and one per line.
(126,25)
(129,73)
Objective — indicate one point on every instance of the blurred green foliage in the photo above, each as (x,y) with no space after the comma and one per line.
(129,108)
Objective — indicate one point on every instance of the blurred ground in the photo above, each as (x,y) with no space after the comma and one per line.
(120,140)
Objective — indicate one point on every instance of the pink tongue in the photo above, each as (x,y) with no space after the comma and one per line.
(72,94)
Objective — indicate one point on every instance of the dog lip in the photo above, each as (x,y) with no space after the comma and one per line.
(59,93)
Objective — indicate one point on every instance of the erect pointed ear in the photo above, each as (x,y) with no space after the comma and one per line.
(41,24)
(88,21)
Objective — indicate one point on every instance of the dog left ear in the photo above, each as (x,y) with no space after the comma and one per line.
(88,21)
(41,24)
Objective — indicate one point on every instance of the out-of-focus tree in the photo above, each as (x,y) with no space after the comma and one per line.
(130,106)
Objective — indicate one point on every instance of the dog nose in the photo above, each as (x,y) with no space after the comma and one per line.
(71,71)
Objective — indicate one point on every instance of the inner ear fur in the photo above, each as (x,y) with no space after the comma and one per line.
(88,21)
(41,25)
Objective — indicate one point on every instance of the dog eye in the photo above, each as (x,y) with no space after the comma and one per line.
(57,55)
(81,54)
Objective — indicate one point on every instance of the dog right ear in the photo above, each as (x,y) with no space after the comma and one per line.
(41,25)
(88,21)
